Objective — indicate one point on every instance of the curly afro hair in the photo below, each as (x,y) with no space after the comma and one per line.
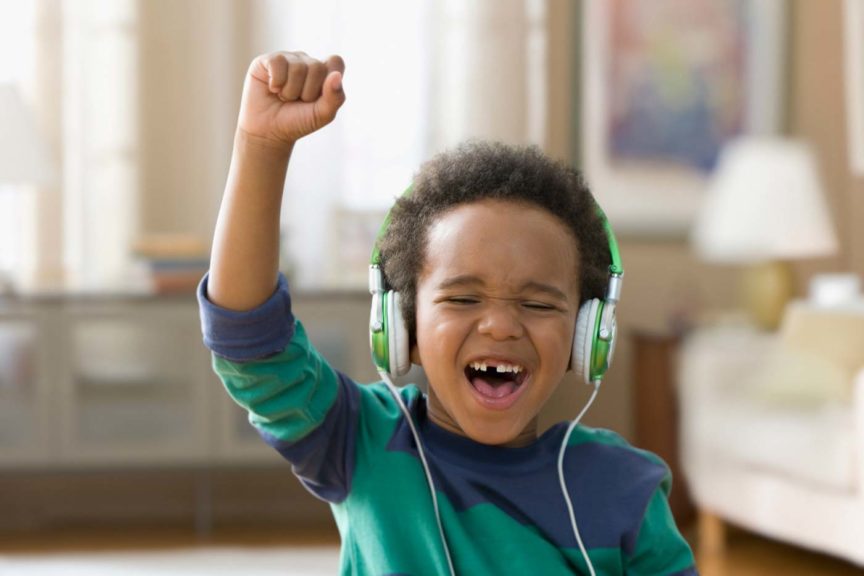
(477,171)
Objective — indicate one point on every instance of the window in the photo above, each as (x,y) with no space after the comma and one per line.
(85,90)
(17,56)
(100,140)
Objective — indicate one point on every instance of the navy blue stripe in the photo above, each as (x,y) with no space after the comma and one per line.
(610,485)
(248,335)
(324,459)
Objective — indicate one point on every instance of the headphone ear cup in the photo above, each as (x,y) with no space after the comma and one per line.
(378,336)
(583,338)
(397,334)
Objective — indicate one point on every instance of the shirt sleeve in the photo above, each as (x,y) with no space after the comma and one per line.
(660,548)
(248,335)
(298,403)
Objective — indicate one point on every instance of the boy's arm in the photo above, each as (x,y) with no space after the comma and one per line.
(297,401)
(660,548)
(285,96)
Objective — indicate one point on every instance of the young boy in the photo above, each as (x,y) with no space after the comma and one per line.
(492,253)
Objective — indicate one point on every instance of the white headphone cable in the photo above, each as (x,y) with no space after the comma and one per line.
(564,482)
(431,483)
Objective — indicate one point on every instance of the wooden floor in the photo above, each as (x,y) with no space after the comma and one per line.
(746,555)
(160,538)
(750,555)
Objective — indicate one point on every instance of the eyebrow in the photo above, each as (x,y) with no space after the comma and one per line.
(466,280)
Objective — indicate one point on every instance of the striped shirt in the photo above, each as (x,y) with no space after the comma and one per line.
(501,508)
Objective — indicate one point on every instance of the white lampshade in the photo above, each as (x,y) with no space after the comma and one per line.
(23,156)
(764,203)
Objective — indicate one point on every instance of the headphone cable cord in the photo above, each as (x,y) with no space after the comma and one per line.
(564,482)
(430,482)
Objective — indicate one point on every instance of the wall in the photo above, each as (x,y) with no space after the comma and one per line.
(191,75)
(818,114)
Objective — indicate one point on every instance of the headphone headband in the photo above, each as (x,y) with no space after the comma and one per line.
(375,259)
(615,267)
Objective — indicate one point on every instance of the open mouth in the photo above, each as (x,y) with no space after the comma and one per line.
(495,380)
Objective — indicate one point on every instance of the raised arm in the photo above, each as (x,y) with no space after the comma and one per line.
(286,95)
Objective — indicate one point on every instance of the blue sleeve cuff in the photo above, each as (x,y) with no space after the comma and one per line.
(248,335)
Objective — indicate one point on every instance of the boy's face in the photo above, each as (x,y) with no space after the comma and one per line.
(496,309)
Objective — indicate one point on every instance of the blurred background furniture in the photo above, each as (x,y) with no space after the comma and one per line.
(110,412)
(765,207)
(773,428)
(656,418)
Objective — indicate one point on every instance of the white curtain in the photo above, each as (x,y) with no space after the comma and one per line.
(17,58)
(74,62)
(100,139)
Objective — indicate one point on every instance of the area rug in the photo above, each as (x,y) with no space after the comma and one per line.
(218,561)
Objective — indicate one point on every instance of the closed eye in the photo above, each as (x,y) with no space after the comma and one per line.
(462,300)
(542,306)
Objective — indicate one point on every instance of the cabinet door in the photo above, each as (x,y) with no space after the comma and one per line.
(134,390)
(25,401)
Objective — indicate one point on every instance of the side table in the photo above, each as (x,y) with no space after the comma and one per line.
(655,410)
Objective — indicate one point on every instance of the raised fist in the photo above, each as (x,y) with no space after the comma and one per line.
(288,95)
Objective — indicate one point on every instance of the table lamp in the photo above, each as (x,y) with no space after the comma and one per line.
(23,153)
(764,207)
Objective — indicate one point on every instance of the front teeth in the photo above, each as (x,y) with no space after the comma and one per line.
(481,366)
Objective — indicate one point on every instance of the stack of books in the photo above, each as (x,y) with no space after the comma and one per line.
(175,263)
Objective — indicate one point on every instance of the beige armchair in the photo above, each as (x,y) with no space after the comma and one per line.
(772,429)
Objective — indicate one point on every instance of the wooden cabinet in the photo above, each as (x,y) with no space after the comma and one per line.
(655,411)
(135,383)
(127,381)
(110,412)
(26,402)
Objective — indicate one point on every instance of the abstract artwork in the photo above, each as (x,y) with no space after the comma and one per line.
(666,84)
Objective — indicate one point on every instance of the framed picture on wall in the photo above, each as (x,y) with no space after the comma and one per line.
(854,37)
(666,84)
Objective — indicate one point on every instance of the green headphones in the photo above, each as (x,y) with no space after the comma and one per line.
(593,341)
(596,328)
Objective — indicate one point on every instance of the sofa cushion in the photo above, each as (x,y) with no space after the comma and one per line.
(799,378)
(808,445)
(819,351)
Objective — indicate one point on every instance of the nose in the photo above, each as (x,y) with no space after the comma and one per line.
(500,321)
